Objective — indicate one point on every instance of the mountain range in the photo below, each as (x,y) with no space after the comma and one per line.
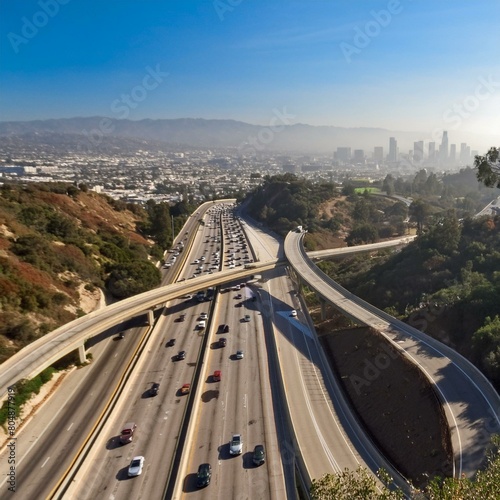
(248,138)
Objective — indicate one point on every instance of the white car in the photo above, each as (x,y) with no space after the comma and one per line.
(239,354)
(135,467)
(203,316)
(236,445)
(293,313)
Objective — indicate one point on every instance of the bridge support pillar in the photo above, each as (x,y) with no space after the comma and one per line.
(323,309)
(151,317)
(81,354)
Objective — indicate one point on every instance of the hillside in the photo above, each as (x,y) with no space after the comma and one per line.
(446,283)
(58,246)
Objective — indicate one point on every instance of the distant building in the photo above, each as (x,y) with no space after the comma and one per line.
(378,154)
(432,152)
(359,156)
(443,149)
(418,151)
(393,150)
(453,153)
(343,154)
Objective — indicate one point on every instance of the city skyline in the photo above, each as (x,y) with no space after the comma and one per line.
(390,64)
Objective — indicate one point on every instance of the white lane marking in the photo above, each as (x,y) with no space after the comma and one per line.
(47,459)
(329,455)
(70,426)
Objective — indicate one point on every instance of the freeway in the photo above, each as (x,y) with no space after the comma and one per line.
(324,436)
(148,411)
(470,402)
(159,418)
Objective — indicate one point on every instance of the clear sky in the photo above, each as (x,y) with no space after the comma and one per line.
(397,64)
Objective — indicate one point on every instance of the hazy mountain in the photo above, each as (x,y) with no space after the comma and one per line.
(203,133)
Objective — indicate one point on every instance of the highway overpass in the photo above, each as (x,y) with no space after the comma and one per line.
(37,356)
(470,402)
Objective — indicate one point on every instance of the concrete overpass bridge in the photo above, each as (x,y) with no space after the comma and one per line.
(470,402)
(37,356)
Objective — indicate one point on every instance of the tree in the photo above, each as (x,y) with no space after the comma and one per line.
(131,278)
(361,234)
(388,185)
(361,485)
(488,168)
(419,211)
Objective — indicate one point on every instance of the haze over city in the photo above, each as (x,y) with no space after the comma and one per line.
(400,65)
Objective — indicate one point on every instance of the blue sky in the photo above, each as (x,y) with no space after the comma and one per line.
(396,64)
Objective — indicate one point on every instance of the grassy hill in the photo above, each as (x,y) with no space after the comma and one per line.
(59,243)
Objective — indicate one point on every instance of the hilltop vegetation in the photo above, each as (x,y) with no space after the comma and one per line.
(447,283)
(58,242)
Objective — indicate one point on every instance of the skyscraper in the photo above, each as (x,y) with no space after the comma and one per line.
(359,156)
(463,153)
(418,151)
(393,149)
(343,154)
(432,151)
(443,149)
(378,154)
(453,153)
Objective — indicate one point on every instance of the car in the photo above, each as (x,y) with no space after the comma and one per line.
(185,389)
(155,388)
(181,355)
(171,343)
(204,475)
(293,313)
(221,327)
(188,297)
(246,318)
(135,467)
(222,342)
(225,329)
(127,433)
(235,445)
(259,455)
(238,296)
(203,316)
(239,354)
(121,335)
(196,261)
(216,377)
(182,317)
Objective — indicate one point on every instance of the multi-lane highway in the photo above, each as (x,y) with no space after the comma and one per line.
(232,404)
(278,393)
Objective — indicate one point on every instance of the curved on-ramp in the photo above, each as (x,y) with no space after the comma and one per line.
(471,403)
